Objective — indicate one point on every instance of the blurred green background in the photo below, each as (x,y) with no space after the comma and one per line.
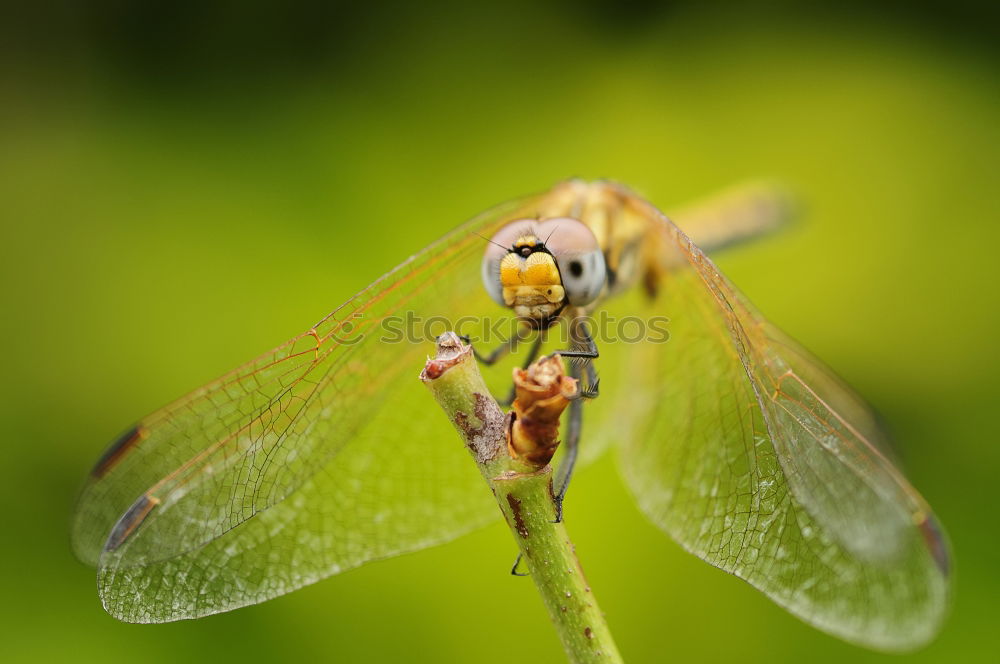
(183,186)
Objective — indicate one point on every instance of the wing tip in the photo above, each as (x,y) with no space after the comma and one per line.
(937,543)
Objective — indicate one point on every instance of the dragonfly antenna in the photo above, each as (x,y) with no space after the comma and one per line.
(551,234)
(492,242)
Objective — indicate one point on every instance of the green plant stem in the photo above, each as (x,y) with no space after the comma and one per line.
(526,502)
(524,495)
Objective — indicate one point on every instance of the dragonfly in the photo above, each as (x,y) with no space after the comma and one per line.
(320,456)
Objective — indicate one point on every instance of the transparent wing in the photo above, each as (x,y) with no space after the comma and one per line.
(755,458)
(312,459)
(736,215)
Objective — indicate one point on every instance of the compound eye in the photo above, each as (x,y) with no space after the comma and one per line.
(499,246)
(579,257)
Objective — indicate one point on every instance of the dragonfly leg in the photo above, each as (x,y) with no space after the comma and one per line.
(581,337)
(496,354)
(585,351)
(500,351)
(593,387)
(585,346)
(517,563)
(571,444)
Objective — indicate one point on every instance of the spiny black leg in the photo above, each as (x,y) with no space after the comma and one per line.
(496,354)
(572,445)
(593,387)
(580,362)
(586,346)
(581,358)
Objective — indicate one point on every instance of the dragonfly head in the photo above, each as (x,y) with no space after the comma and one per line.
(536,267)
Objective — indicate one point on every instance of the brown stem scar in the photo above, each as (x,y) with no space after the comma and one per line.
(515,508)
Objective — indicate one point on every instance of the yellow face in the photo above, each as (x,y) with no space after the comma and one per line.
(530,280)
(537,268)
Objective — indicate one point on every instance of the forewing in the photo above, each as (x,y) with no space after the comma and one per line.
(314,458)
(758,460)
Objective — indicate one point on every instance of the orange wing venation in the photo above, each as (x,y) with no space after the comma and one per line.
(246,424)
(739,452)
